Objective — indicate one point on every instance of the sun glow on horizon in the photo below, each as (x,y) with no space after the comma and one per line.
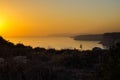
(1,23)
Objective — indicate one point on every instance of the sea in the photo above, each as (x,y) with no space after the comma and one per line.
(55,42)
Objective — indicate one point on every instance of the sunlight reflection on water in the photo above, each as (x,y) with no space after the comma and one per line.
(55,42)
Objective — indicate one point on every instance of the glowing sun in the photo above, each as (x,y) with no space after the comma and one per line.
(1,23)
(2,26)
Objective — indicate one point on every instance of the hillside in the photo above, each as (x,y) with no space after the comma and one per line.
(91,37)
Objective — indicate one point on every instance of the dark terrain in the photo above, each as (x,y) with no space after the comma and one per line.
(20,62)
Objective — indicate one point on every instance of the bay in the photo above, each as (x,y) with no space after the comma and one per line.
(55,42)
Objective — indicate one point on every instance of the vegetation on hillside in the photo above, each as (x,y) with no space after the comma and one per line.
(20,62)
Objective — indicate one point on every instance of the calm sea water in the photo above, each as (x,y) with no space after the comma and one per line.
(55,42)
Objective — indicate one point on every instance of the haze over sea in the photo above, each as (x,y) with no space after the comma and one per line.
(55,42)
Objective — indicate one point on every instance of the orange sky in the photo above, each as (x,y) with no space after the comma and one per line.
(46,17)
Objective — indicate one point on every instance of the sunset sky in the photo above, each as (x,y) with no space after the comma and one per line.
(47,17)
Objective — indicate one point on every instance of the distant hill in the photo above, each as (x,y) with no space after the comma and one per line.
(63,35)
(90,37)
(106,39)
(110,39)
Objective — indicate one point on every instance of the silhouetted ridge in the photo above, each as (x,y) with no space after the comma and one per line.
(5,42)
(2,41)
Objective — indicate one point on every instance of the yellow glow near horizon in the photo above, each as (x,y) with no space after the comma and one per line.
(1,23)
(2,26)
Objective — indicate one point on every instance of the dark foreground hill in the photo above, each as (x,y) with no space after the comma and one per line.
(20,62)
